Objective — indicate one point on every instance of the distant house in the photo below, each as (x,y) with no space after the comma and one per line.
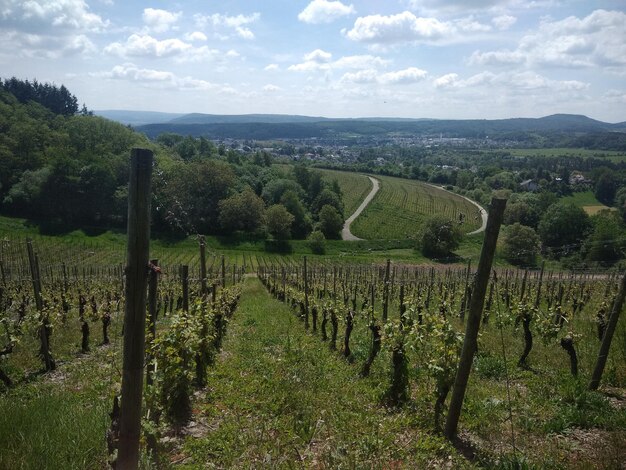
(577,178)
(529,185)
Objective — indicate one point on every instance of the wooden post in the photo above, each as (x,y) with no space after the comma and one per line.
(153,280)
(306,296)
(4,279)
(203,285)
(184,274)
(223,273)
(48,360)
(65,283)
(34,275)
(608,336)
(386,291)
(465,299)
(139,195)
(496,212)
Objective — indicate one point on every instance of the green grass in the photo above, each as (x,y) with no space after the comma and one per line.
(279,398)
(58,420)
(582,199)
(612,155)
(401,205)
(587,201)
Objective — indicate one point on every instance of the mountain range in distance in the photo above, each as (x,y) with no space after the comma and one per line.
(283,126)
(138,118)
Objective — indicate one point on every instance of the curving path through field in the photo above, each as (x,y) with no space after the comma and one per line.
(346,234)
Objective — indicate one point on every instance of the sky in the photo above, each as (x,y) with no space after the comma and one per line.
(479,59)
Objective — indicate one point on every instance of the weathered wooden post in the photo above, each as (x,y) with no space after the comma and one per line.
(184,275)
(223,273)
(603,354)
(496,212)
(306,296)
(152,316)
(204,290)
(46,355)
(138,247)
(386,291)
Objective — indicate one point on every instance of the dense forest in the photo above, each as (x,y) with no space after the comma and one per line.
(66,169)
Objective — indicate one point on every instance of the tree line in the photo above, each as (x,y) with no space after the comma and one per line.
(68,170)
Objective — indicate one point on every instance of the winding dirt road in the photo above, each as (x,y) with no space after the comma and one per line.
(345,233)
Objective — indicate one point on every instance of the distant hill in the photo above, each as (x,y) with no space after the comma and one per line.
(198,118)
(554,130)
(137,118)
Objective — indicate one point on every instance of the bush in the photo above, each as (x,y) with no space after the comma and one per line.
(563,227)
(317,243)
(520,245)
(331,221)
(439,236)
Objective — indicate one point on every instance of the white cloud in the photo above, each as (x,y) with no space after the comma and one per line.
(410,75)
(236,23)
(271,67)
(161,78)
(477,6)
(518,82)
(503,22)
(50,29)
(321,60)
(503,57)
(403,27)
(319,56)
(406,27)
(45,16)
(406,76)
(196,36)
(269,88)
(146,46)
(446,81)
(18,44)
(362,76)
(597,40)
(159,21)
(324,11)
(615,96)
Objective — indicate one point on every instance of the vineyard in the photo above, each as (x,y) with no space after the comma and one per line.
(354,188)
(401,206)
(197,360)
(340,365)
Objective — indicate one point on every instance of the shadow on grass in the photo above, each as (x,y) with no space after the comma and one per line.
(278,246)
(450,258)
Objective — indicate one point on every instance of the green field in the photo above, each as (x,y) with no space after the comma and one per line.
(612,155)
(587,201)
(401,205)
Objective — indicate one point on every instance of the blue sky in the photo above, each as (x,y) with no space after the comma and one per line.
(406,58)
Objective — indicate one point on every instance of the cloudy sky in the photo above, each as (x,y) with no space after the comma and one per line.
(406,58)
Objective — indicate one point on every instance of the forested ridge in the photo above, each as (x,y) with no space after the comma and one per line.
(67,170)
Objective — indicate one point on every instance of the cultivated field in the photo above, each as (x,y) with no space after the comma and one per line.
(400,206)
